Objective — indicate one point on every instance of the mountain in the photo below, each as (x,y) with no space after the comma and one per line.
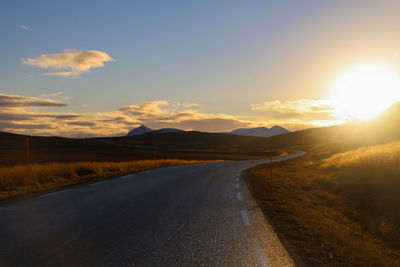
(257,132)
(142,129)
(260,131)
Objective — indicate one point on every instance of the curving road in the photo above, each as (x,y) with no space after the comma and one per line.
(193,215)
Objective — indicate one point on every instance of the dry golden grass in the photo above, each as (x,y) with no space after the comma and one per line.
(331,216)
(369,177)
(384,156)
(13,180)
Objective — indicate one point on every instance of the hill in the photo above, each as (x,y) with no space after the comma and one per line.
(260,131)
(183,145)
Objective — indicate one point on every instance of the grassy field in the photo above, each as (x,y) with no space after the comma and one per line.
(385,156)
(61,161)
(47,176)
(336,208)
(185,145)
(369,177)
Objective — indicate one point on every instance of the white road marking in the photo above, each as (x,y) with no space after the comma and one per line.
(245,217)
(99,183)
(126,177)
(237,179)
(239,196)
(258,255)
(54,193)
(237,186)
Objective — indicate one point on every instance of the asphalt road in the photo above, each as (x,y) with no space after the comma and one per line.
(193,215)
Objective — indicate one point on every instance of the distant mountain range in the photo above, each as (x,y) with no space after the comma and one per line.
(143,129)
(258,131)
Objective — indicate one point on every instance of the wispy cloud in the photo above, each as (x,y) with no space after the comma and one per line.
(24,27)
(73,62)
(294,106)
(62,74)
(24,113)
(26,101)
(57,95)
(298,114)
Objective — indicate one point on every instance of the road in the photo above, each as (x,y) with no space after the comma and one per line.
(193,215)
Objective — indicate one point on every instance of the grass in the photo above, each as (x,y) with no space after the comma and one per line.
(379,156)
(46,176)
(369,177)
(335,209)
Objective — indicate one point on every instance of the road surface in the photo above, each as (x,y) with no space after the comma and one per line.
(193,215)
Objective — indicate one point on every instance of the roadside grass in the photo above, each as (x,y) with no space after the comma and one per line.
(381,156)
(369,177)
(337,209)
(46,176)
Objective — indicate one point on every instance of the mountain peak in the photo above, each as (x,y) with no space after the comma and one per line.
(277,127)
(142,129)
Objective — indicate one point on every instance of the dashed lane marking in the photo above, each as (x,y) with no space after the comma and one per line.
(245,217)
(258,255)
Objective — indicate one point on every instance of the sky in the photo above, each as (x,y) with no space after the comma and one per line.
(101,68)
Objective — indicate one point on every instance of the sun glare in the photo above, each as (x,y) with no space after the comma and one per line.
(365,91)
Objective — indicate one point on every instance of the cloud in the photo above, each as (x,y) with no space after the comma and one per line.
(146,109)
(21,114)
(24,101)
(24,27)
(214,124)
(28,112)
(82,123)
(62,74)
(72,62)
(60,116)
(155,114)
(298,114)
(160,114)
(23,126)
(294,106)
(57,95)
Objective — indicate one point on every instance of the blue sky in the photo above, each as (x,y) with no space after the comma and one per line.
(224,57)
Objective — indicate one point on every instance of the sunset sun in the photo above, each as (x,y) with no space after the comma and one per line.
(363,92)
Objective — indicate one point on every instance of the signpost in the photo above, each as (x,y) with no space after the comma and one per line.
(270,164)
(155,156)
(28,178)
